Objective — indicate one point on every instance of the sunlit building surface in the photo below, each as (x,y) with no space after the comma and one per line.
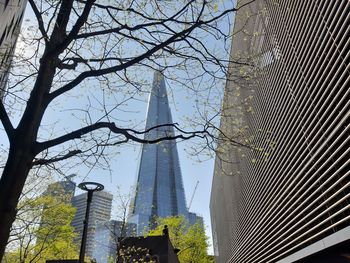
(159,190)
(11,14)
(286,198)
(106,239)
(100,212)
(62,188)
(62,191)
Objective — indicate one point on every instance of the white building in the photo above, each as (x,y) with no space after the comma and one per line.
(100,212)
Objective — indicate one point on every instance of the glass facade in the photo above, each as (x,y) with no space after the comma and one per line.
(100,211)
(159,189)
(106,239)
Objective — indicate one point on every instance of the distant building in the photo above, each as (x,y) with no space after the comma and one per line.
(11,14)
(159,190)
(66,188)
(100,211)
(106,239)
(285,199)
(193,218)
(62,191)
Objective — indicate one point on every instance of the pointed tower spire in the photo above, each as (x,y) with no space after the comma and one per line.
(159,189)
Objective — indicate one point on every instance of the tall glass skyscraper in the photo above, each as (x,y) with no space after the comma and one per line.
(159,190)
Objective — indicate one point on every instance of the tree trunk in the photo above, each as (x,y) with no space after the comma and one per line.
(11,184)
(23,149)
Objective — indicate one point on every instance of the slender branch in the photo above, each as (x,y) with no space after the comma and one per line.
(25,77)
(116,30)
(60,27)
(100,72)
(75,29)
(48,161)
(40,20)
(6,122)
(132,10)
(137,27)
(129,134)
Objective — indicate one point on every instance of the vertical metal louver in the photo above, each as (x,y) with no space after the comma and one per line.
(294,189)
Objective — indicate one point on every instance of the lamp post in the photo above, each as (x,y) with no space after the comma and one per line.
(90,187)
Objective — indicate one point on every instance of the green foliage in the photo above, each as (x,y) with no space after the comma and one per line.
(42,231)
(55,234)
(191,240)
(133,254)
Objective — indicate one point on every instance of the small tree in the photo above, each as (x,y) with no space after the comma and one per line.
(42,230)
(191,240)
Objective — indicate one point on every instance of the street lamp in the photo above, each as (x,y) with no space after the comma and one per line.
(90,187)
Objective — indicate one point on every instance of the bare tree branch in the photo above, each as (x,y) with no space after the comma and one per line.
(127,133)
(6,122)
(40,20)
(75,29)
(100,72)
(48,161)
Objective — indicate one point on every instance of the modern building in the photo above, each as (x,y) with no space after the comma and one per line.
(11,14)
(100,212)
(62,191)
(62,188)
(159,190)
(106,239)
(193,218)
(285,197)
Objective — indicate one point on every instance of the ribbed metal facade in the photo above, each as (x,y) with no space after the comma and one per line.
(11,14)
(293,106)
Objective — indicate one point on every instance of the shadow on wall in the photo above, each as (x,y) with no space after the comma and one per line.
(337,254)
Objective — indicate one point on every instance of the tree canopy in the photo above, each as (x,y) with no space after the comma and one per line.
(189,239)
(42,230)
